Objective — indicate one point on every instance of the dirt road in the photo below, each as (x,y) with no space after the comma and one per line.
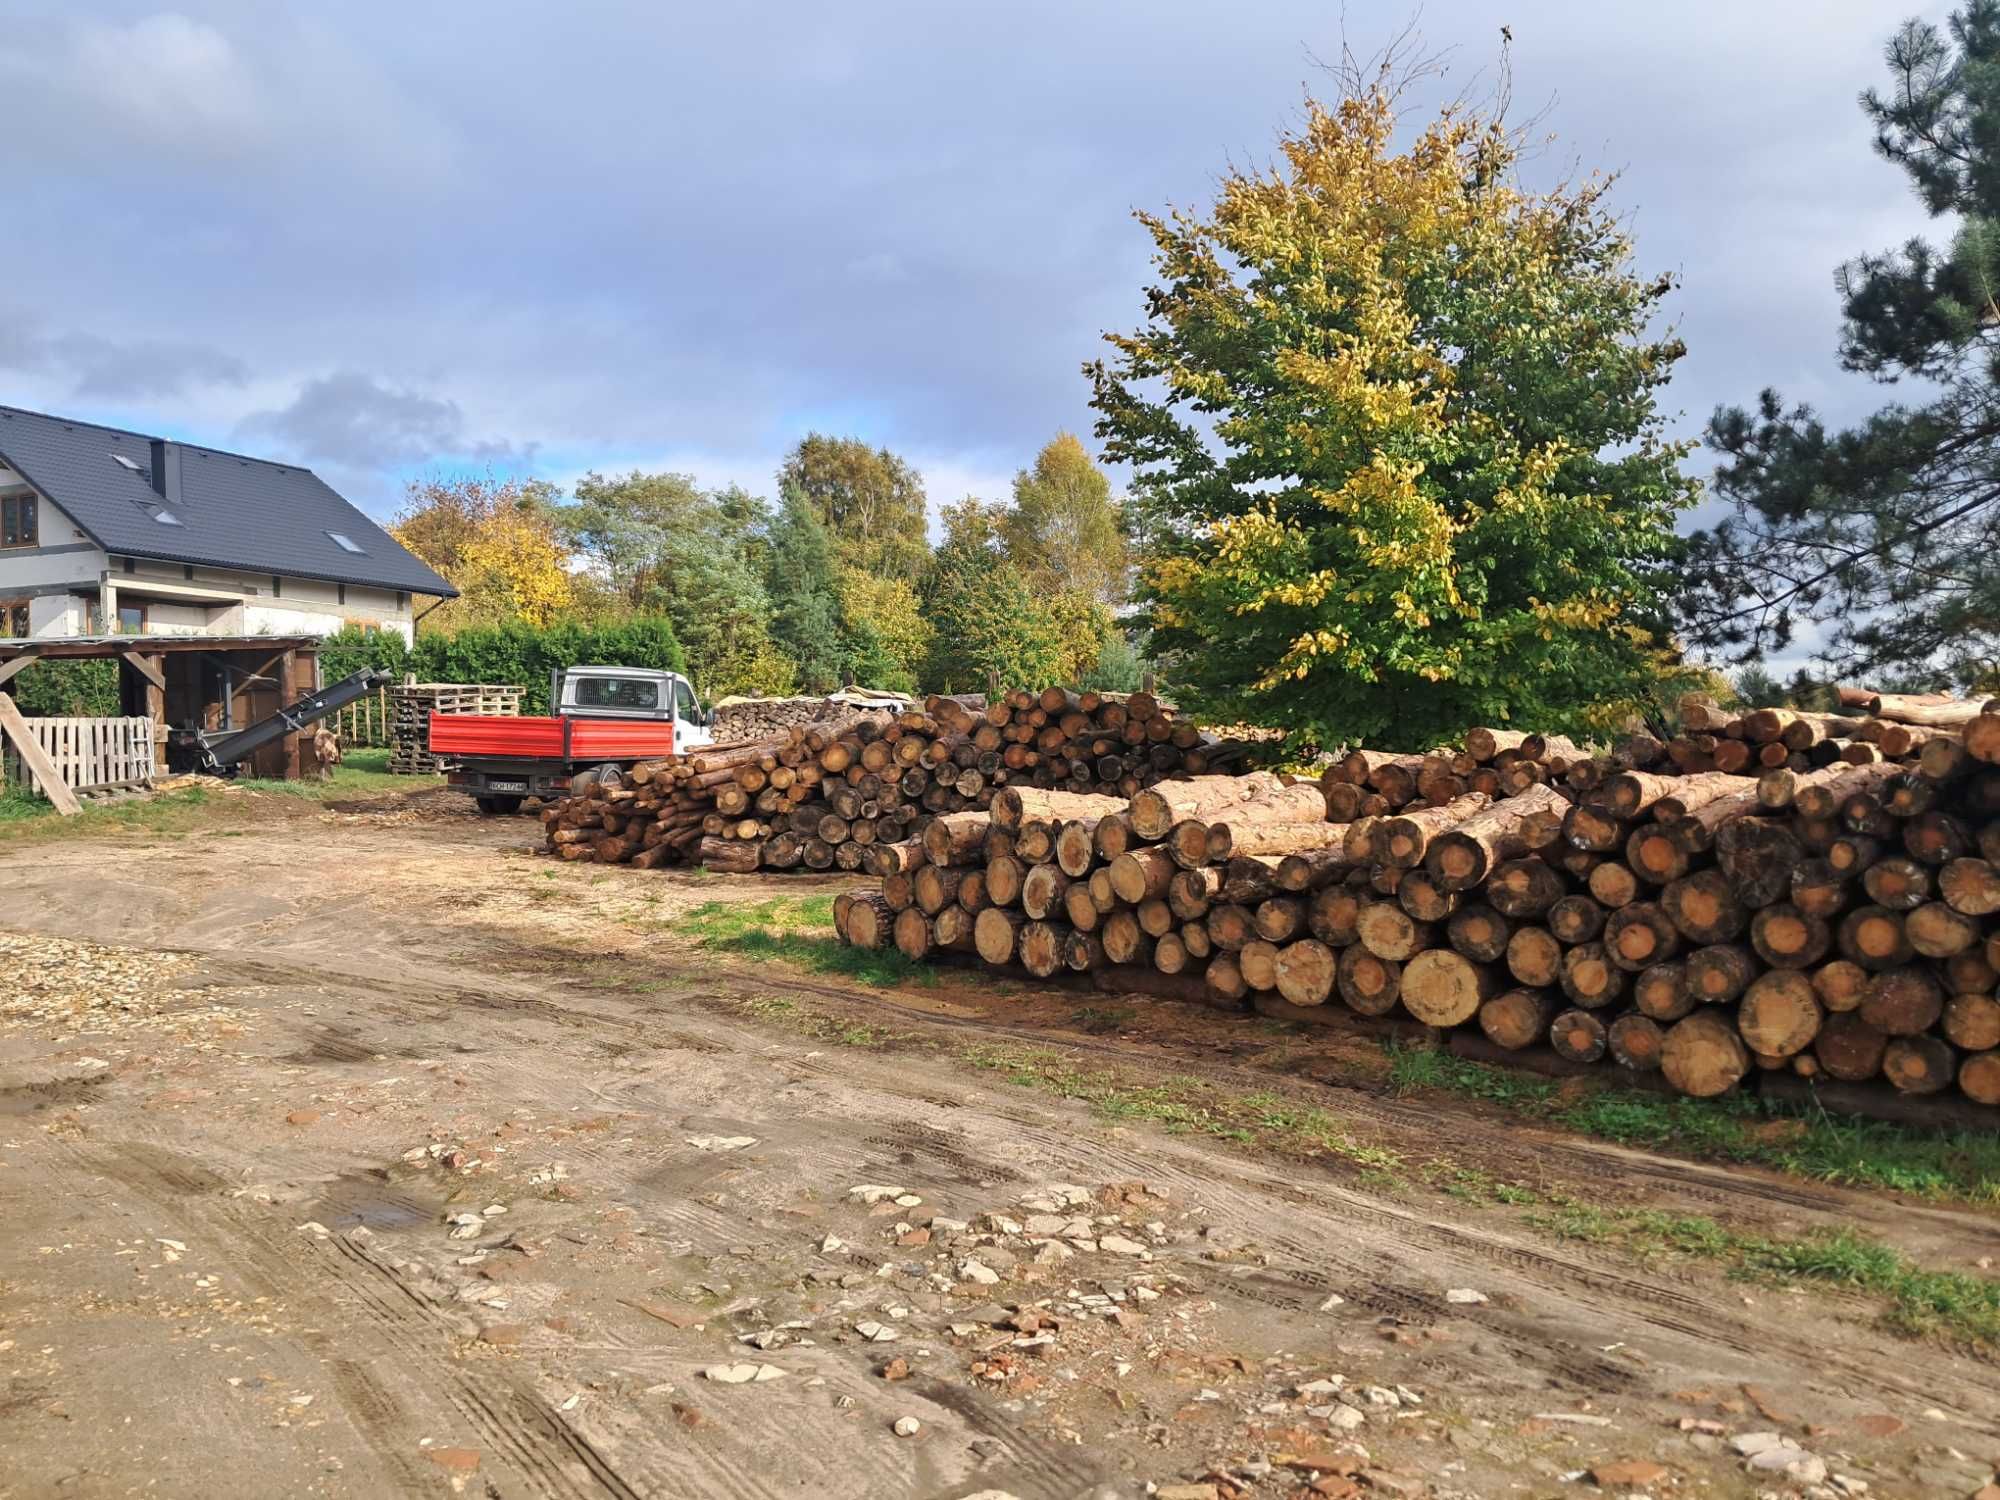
(368,1156)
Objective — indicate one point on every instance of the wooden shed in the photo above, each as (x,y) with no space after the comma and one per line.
(194,682)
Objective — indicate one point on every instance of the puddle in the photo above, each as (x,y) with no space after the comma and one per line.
(370,1199)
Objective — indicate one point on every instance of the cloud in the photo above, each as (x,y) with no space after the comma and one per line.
(355,422)
(95,368)
(167,78)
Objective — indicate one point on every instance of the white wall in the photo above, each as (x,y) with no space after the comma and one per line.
(57,615)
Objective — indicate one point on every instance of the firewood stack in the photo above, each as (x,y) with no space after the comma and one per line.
(819,797)
(1818,911)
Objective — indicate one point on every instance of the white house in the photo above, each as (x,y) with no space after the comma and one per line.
(104,531)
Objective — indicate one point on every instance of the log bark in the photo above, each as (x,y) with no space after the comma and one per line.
(1401,841)
(1012,805)
(1461,856)
(1157,809)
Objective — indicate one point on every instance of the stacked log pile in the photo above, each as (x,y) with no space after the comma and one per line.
(820,797)
(741,721)
(1813,911)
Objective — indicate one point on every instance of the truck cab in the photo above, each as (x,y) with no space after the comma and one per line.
(632,693)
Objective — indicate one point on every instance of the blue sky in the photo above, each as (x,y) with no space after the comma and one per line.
(378,238)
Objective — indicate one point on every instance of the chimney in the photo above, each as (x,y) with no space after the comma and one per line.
(167,471)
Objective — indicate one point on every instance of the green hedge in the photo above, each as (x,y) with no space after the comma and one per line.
(67,689)
(515,653)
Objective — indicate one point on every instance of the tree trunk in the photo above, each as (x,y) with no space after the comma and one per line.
(1848,1048)
(1305,972)
(1156,809)
(1786,938)
(1225,979)
(1518,1018)
(1125,941)
(1004,877)
(869,921)
(1903,1002)
(1308,870)
(1461,856)
(1919,1064)
(995,933)
(1703,1056)
(1141,874)
(1661,993)
(1578,1036)
(1523,888)
(1479,932)
(1042,891)
(1703,907)
(1444,988)
(955,838)
(1575,919)
(1041,948)
(1400,842)
(1589,977)
(1283,838)
(1534,957)
(1780,1014)
(1368,984)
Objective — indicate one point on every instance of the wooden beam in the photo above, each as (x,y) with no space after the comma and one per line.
(147,667)
(12,669)
(36,759)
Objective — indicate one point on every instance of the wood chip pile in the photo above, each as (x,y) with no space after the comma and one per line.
(1798,894)
(820,797)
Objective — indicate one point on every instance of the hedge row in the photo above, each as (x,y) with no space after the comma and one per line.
(516,653)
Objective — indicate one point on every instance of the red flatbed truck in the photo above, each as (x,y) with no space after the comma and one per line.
(606,720)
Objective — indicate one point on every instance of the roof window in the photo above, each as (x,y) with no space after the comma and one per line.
(345,544)
(166,518)
(119,458)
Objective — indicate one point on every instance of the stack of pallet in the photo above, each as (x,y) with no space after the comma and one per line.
(1837,921)
(412,704)
(818,798)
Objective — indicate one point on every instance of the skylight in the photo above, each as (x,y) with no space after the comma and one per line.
(166,518)
(119,458)
(346,544)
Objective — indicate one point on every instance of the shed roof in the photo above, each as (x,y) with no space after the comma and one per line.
(228,510)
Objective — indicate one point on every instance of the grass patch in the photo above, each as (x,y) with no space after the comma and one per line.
(820,1027)
(360,773)
(796,930)
(1941,1165)
(1944,1304)
(24,815)
(1183,1106)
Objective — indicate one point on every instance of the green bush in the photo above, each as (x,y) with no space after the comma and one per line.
(516,653)
(67,689)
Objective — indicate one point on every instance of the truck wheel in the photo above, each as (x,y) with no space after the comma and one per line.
(610,773)
(496,807)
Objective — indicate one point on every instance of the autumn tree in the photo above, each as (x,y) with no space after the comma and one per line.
(1880,542)
(493,540)
(1065,529)
(660,544)
(987,619)
(870,502)
(1392,428)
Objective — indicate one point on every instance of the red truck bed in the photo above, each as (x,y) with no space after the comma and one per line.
(571,741)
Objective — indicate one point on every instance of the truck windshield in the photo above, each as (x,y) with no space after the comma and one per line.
(616,692)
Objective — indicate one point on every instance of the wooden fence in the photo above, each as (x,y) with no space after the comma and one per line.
(364,723)
(91,755)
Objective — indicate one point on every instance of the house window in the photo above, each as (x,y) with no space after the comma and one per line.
(14,617)
(18,524)
(131,619)
(131,566)
(345,543)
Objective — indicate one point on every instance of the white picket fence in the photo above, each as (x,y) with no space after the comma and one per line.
(91,755)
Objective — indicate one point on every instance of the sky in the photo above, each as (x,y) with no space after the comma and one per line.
(385,238)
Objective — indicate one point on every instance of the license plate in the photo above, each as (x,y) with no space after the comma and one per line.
(506,786)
